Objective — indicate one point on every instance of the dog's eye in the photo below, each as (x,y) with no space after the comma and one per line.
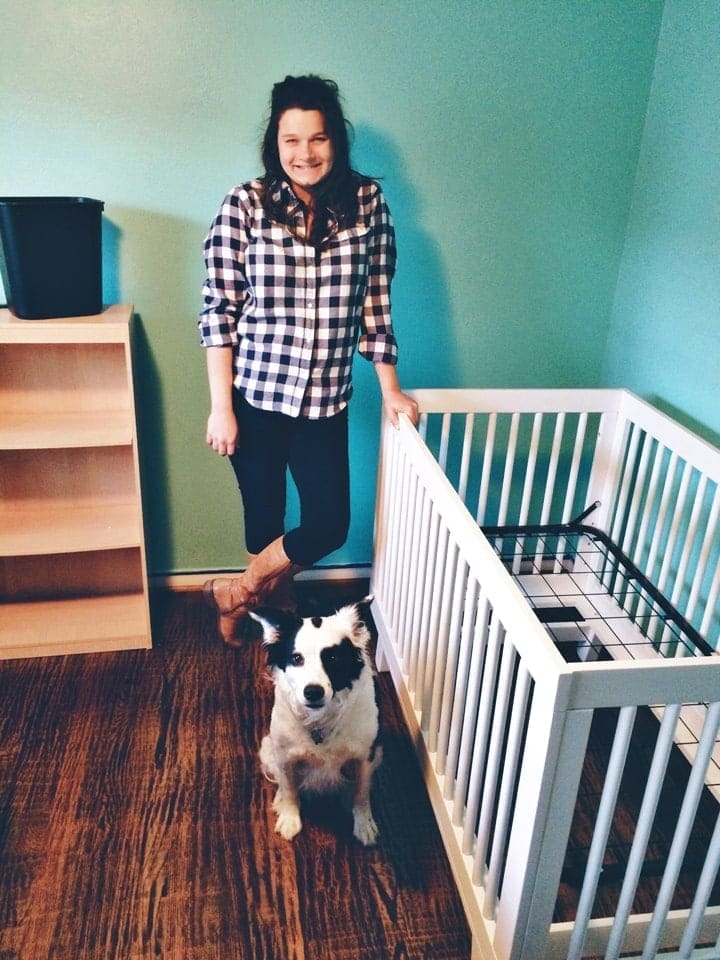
(297,659)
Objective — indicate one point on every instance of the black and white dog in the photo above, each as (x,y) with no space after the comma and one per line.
(324,729)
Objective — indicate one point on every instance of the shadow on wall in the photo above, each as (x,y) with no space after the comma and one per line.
(422,323)
(421,308)
(701,429)
(152,260)
(146,382)
(152,448)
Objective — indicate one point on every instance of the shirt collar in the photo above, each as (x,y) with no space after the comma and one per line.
(284,196)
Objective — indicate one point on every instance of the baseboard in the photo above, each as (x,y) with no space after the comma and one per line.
(194,580)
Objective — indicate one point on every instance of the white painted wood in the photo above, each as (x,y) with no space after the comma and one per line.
(464,624)
(466,457)
(700,905)
(611,790)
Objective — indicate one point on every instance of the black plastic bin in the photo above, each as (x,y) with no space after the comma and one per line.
(51,256)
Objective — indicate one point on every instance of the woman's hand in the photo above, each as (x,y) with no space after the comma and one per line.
(222,431)
(222,428)
(396,402)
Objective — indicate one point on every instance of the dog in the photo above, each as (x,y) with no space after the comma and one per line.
(324,726)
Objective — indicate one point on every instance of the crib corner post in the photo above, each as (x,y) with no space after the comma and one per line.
(556,745)
(381,660)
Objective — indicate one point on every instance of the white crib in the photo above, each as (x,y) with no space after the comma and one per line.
(546,561)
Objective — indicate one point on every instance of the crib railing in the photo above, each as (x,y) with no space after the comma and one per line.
(502,722)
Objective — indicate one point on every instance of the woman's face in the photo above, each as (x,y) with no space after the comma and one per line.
(305,149)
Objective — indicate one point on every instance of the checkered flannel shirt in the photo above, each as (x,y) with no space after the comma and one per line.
(292,313)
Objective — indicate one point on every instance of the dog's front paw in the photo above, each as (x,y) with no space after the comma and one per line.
(288,823)
(364,827)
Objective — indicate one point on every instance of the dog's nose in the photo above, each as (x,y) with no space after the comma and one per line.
(314,693)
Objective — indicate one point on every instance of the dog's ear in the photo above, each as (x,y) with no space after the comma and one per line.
(357,616)
(364,606)
(275,623)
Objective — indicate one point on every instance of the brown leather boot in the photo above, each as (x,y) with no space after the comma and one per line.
(281,592)
(232,598)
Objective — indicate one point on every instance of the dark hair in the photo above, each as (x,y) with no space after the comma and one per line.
(336,197)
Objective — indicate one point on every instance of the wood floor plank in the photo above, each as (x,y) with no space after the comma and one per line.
(135,822)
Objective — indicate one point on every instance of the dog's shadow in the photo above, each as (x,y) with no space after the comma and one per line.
(409,838)
(409,850)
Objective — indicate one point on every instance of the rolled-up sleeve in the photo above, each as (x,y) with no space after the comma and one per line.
(377,341)
(224,288)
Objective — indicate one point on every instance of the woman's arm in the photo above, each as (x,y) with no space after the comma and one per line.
(222,425)
(394,400)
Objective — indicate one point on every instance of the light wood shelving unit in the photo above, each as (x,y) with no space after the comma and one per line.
(73,575)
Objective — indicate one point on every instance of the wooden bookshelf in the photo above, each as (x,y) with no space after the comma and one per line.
(72,555)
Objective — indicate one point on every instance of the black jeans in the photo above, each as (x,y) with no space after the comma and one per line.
(316,453)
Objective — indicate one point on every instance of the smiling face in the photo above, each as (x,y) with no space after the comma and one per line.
(305,149)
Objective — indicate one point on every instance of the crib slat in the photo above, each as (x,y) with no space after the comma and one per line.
(711,533)
(530,469)
(619,512)
(406,558)
(420,664)
(702,897)
(466,454)
(444,442)
(456,676)
(662,514)
(423,575)
(445,652)
(690,538)
(638,496)
(506,487)
(568,510)
(648,507)
(655,780)
(528,486)
(510,765)
(494,762)
(449,602)
(690,541)
(445,699)
(636,503)
(422,426)
(400,479)
(485,710)
(603,822)
(682,832)
(678,511)
(486,469)
(384,534)
(429,637)
(712,603)
(459,702)
(552,468)
(468,716)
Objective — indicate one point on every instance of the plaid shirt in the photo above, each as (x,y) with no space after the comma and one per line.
(292,313)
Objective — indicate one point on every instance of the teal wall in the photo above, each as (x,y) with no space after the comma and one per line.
(664,341)
(507,133)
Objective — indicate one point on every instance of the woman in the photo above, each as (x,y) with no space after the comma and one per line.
(299,266)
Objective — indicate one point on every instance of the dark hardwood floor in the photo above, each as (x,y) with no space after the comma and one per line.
(135,823)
